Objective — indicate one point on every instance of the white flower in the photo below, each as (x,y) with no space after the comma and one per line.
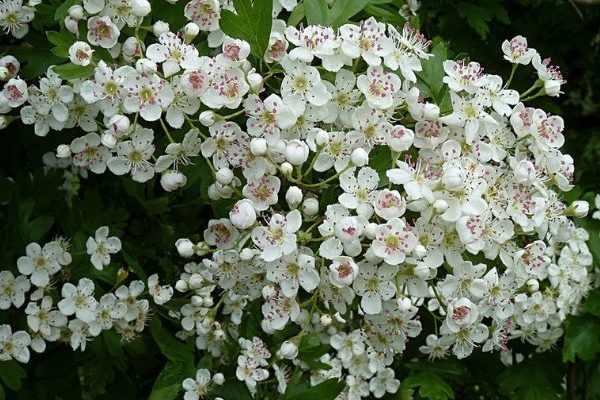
(359,192)
(147,94)
(367,41)
(226,88)
(173,54)
(516,51)
(12,290)
(249,371)
(205,13)
(389,204)
(14,345)
(379,87)
(301,84)
(44,319)
(102,32)
(409,48)
(463,76)
(549,74)
(14,17)
(89,152)
(15,93)
(197,388)
(393,241)
(225,144)
(80,53)
(243,215)
(262,192)
(384,382)
(314,40)
(52,96)
(100,247)
(40,263)
(106,88)
(133,155)
(292,271)
(374,284)
(342,271)
(160,294)
(221,233)
(279,238)
(79,300)
(267,117)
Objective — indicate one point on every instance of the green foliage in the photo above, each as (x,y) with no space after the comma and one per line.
(534,379)
(252,23)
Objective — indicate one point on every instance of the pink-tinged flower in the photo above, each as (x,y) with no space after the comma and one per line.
(221,233)
(225,144)
(279,238)
(516,51)
(89,152)
(379,87)
(205,13)
(463,76)
(393,240)
(15,93)
(173,54)
(389,204)
(367,41)
(409,48)
(147,94)
(342,271)
(549,74)
(102,32)
(314,40)
(262,191)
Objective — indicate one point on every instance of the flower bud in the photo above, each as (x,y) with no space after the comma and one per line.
(359,157)
(4,121)
(322,137)
(63,151)
(196,281)
(242,214)
(288,350)
(72,25)
(181,286)
(145,66)
(247,254)
(370,230)
(404,304)
(207,118)
(159,28)
(4,74)
(286,168)
(119,123)
(533,285)
(578,209)
(218,379)
(420,250)
(201,249)
(255,80)
(172,180)
(224,176)
(552,87)
(440,206)
(213,192)
(197,301)
(109,140)
(421,270)
(296,152)
(258,146)
(310,207)
(131,47)
(190,31)
(293,197)
(76,12)
(431,111)
(140,8)
(453,178)
(325,320)
(185,247)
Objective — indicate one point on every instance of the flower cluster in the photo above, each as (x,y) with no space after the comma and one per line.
(366,211)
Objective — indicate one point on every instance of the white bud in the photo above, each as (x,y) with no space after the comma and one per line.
(224,176)
(131,47)
(76,12)
(72,25)
(339,318)
(201,249)
(4,73)
(185,247)
(288,350)
(322,137)
(293,197)
(268,291)
(326,320)
(181,286)
(63,151)
(172,180)
(552,87)
(140,8)
(196,281)
(533,285)
(310,207)
(578,209)
(404,304)
(119,123)
(213,192)
(371,230)
(422,270)
(218,379)
(247,254)
(4,121)
(258,146)
(145,66)
(190,31)
(296,152)
(420,250)
(109,140)
(207,118)
(359,157)
(453,178)
(286,168)
(440,205)
(197,301)
(159,28)
(242,214)
(255,80)
(431,111)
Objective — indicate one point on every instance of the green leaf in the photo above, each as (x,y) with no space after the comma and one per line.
(532,379)
(592,303)
(12,374)
(430,386)
(60,39)
(582,338)
(327,390)
(63,10)
(168,384)
(172,348)
(297,15)
(252,22)
(343,10)
(317,12)
(429,80)
(72,71)
(232,389)
(39,227)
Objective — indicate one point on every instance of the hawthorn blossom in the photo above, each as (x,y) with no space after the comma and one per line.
(100,247)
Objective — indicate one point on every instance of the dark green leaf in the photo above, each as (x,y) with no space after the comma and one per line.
(327,390)
(252,22)
(582,338)
(343,10)
(72,71)
(12,374)
(168,384)
(430,386)
(317,12)
(172,348)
